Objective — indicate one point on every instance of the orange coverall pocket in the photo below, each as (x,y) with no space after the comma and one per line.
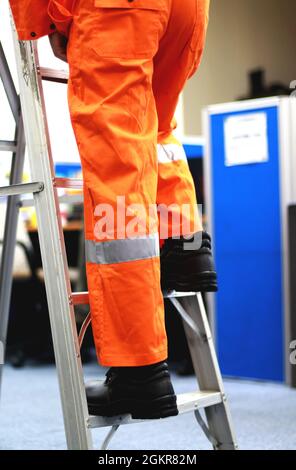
(129,29)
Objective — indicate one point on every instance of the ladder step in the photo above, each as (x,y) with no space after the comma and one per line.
(187,402)
(194,400)
(174,294)
(81,298)
(7,146)
(68,183)
(52,75)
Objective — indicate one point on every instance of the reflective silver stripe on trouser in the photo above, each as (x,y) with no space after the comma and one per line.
(122,251)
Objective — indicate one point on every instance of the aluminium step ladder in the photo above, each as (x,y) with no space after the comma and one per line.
(61,300)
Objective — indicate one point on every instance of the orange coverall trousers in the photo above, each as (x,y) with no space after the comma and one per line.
(129,61)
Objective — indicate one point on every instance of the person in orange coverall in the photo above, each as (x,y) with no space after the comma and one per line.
(129,61)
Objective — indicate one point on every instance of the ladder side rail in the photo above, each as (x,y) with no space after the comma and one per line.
(61,311)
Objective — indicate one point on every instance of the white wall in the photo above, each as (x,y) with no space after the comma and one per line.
(243,34)
(62,139)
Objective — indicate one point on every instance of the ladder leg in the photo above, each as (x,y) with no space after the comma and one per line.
(208,373)
(8,85)
(9,239)
(11,217)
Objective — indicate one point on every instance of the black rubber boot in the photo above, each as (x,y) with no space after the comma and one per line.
(144,392)
(186,270)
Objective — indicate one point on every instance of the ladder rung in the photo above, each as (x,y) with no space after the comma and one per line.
(69,183)
(7,146)
(80,298)
(187,402)
(23,188)
(53,75)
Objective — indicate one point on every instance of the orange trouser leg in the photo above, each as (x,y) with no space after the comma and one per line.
(111,48)
(178,57)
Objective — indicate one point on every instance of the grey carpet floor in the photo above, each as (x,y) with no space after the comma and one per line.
(264,416)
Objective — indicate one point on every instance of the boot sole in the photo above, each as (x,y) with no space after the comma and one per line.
(205,282)
(163,407)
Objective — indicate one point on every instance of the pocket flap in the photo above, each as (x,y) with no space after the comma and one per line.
(143,4)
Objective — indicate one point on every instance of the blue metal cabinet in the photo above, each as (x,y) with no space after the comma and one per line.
(247,209)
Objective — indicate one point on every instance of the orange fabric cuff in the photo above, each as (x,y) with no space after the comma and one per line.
(61,14)
(31,18)
(36,19)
